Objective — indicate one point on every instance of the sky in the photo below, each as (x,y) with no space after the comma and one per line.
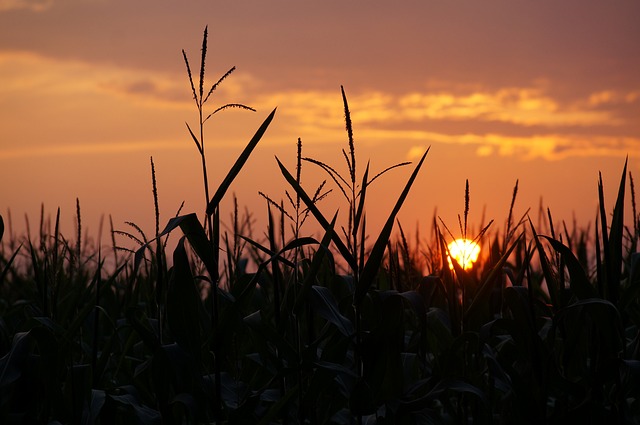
(545,93)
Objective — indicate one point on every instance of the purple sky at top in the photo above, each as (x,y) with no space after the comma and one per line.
(507,89)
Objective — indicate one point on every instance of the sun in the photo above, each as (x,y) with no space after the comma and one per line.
(465,252)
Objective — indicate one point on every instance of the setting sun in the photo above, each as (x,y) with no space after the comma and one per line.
(465,252)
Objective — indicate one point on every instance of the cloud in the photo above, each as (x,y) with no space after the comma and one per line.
(541,125)
(552,147)
(416,152)
(523,107)
(517,105)
(32,5)
(27,72)
(613,97)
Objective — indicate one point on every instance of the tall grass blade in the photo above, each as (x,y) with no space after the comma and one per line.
(344,251)
(550,278)
(360,209)
(599,266)
(231,175)
(7,267)
(508,231)
(195,234)
(195,139)
(605,239)
(316,263)
(579,282)
(481,299)
(616,242)
(377,252)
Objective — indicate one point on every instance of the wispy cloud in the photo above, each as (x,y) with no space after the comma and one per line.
(517,105)
(551,147)
(542,125)
(523,106)
(546,127)
(23,72)
(33,5)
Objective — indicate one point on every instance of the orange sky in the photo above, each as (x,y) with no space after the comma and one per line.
(546,92)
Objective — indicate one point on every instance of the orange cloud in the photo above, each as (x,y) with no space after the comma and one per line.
(33,5)
(130,96)
(22,71)
(523,106)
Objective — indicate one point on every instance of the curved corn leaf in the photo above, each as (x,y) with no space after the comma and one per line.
(195,234)
(324,304)
(6,268)
(579,281)
(481,299)
(363,194)
(549,277)
(318,258)
(235,169)
(344,251)
(377,252)
(614,266)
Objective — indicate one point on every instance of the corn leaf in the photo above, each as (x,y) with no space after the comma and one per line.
(481,300)
(318,258)
(235,169)
(377,252)
(182,304)
(324,304)
(615,241)
(344,251)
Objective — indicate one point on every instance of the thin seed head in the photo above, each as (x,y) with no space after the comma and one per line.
(215,86)
(202,60)
(79,241)
(227,106)
(155,196)
(349,127)
(333,173)
(131,236)
(466,207)
(446,228)
(401,164)
(193,88)
(510,217)
(138,229)
(552,229)
(298,171)
(273,203)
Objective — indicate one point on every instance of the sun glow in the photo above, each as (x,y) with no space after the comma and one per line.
(465,252)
